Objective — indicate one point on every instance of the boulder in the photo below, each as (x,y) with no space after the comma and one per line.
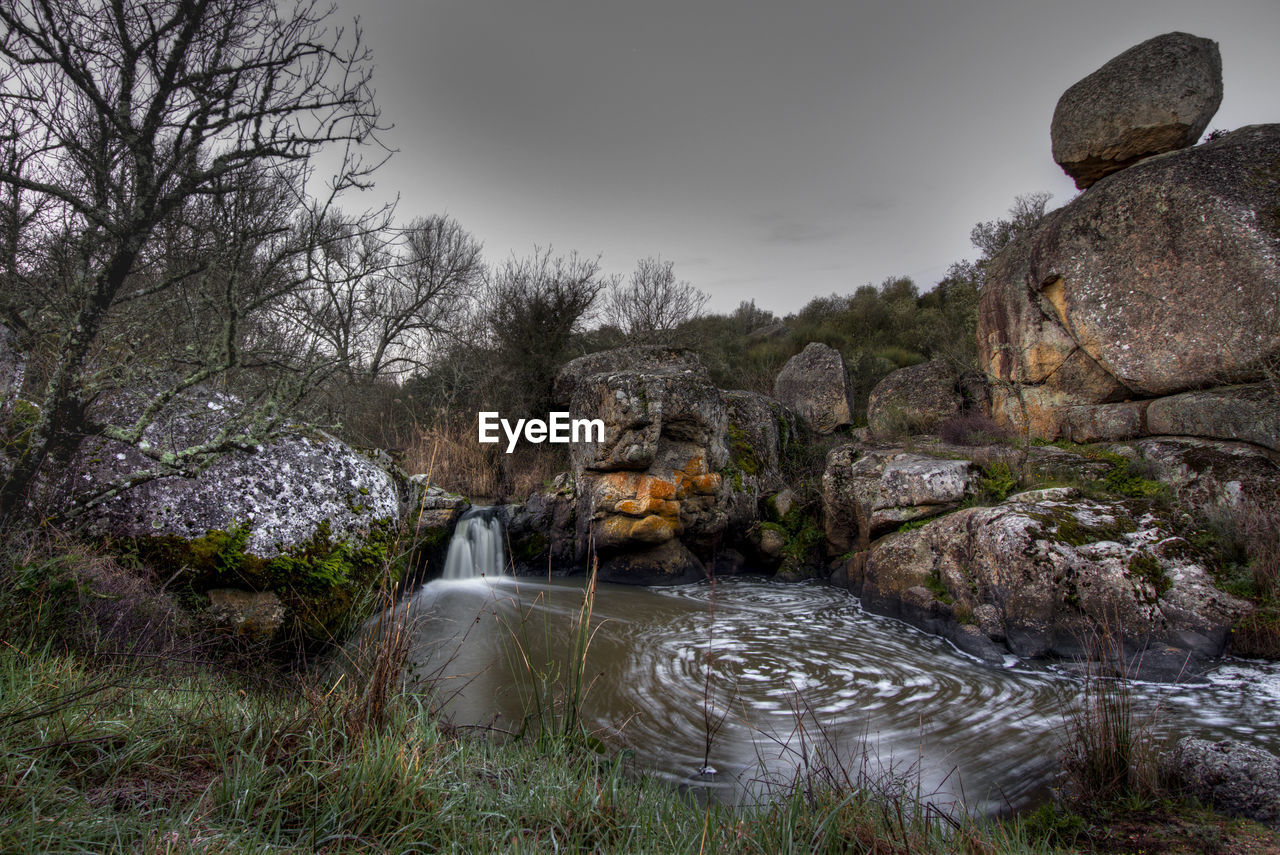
(867,491)
(813,384)
(914,400)
(1237,779)
(1249,413)
(1161,280)
(1058,569)
(1155,97)
(760,431)
(1219,480)
(650,495)
(1105,422)
(281,492)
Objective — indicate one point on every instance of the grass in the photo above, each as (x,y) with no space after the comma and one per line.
(181,749)
(449,451)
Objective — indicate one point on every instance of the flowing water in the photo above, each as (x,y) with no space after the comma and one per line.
(475,550)
(730,685)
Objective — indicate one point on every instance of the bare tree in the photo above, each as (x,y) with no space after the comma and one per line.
(382,298)
(127,123)
(653,304)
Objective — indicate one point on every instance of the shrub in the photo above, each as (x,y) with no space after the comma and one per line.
(973,429)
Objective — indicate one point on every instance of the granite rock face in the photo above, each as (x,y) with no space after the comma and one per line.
(651,492)
(813,384)
(1163,279)
(281,492)
(1155,97)
(1237,779)
(1056,568)
(866,492)
(914,400)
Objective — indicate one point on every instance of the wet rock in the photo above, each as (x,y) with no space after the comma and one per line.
(1057,569)
(1237,779)
(1155,97)
(669,563)
(914,400)
(813,384)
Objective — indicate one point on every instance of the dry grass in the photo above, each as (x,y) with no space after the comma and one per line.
(451,452)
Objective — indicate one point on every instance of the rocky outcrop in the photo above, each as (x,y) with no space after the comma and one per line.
(304,515)
(761,430)
(1237,779)
(1054,569)
(914,400)
(866,492)
(1222,481)
(813,384)
(1160,280)
(257,615)
(1155,97)
(1245,413)
(650,494)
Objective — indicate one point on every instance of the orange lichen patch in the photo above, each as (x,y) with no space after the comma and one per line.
(652,529)
(620,486)
(642,505)
(698,485)
(697,464)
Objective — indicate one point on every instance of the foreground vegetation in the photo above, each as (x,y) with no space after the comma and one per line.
(130,728)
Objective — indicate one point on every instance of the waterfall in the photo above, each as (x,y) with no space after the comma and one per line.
(476,548)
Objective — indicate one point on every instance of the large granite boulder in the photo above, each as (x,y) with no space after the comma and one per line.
(1057,569)
(1249,413)
(1237,779)
(650,493)
(914,400)
(868,491)
(1156,97)
(304,515)
(1160,280)
(813,384)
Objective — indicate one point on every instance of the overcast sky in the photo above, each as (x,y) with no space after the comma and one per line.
(773,151)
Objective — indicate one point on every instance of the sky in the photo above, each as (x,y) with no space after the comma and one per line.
(772,151)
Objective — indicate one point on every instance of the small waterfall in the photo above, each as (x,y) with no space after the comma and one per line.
(476,548)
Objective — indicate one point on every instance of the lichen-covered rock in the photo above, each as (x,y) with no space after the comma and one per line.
(1106,422)
(914,400)
(1058,568)
(281,492)
(1248,413)
(1237,779)
(760,431)
(655,479)
(1219,480)
(542,530)
(1160,280)
(867,491)
(1155,97)
(813,384)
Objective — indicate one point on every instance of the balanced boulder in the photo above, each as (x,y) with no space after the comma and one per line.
(813,384)
(1156,97)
